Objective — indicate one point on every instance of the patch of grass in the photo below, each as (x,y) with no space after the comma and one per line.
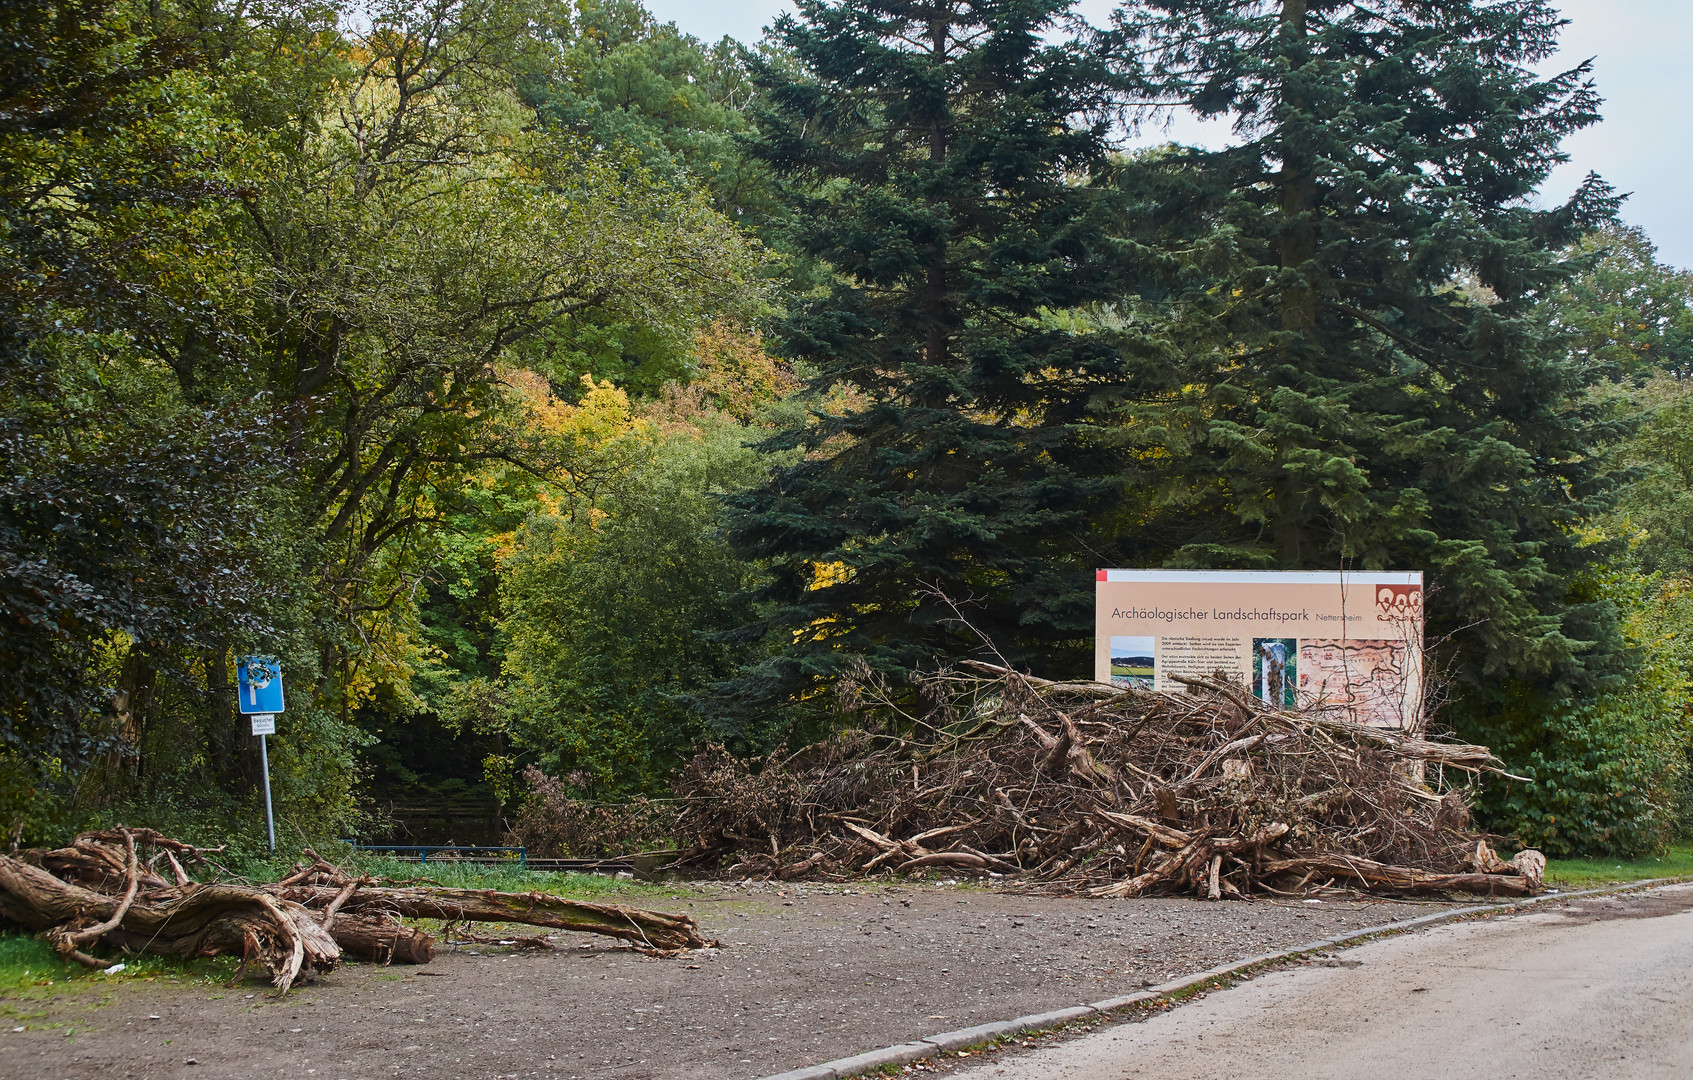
(31,970)
(460,875)
(1588,873)
(26,962)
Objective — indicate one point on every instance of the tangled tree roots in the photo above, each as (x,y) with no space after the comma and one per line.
(1084,787)
(100,890)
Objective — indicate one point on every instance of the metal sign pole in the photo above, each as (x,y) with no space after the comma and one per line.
(258,696)
(270,822)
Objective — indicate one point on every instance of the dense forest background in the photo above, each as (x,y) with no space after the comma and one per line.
(556,394)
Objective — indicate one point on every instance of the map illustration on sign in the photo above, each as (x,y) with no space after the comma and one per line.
(258,685)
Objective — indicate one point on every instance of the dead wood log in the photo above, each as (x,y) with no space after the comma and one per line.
(1197,863)
(97,858)
(1380,876)
(211,920)
(1169,810)
(69,941)
(1134,825)
(1003,865)
(794,870)
(1531,864)
(652,930)
(1078,759)
(541,942)
(382,940)
(1063,776)
(947,858)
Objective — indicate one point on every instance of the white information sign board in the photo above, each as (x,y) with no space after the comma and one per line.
(1351,643)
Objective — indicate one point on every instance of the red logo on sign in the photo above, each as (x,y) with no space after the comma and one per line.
(1399,601)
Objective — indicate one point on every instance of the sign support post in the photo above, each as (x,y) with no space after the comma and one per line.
(270,820)
(259,697)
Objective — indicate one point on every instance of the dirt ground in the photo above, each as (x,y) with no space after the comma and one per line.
(805,974)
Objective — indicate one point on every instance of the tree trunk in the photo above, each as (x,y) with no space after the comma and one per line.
(651,929)
(381,940)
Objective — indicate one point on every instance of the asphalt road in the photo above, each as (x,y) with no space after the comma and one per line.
(1595,988)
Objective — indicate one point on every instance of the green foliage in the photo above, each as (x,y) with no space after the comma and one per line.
(133,517)
(617,78)
(1627,312)
(296,306)
(1367,377)
(944,167)
(1658,502)
(26,961)
(493,253)
(1677,861)
(620,78)
(1608,774)
(615,611)
(276,289)
(30,970)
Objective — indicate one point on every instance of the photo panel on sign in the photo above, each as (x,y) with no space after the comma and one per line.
(1133,661)
(1275,667)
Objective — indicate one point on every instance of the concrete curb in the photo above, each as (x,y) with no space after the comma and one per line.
(858,1064)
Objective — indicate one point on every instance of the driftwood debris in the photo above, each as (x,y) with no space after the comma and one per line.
(107,888)
(1105,791)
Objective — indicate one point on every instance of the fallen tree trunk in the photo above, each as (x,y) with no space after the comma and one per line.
(653,930)
(381,940)
(1374,875)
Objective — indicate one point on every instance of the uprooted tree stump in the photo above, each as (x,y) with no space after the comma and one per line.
(98,890)
(207,920)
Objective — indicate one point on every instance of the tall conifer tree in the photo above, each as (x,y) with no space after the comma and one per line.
(942,161)
(1373,380)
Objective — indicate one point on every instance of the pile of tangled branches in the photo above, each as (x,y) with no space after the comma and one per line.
(109,889)
(551,823)
(1085,787)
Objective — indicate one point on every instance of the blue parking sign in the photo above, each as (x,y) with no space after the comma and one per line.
(258,684)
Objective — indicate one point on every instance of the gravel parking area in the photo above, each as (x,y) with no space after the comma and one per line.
(805,974)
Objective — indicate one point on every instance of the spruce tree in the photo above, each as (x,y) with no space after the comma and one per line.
(1373,380)
(944,163)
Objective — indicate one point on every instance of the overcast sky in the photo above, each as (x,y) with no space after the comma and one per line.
(1641,50)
